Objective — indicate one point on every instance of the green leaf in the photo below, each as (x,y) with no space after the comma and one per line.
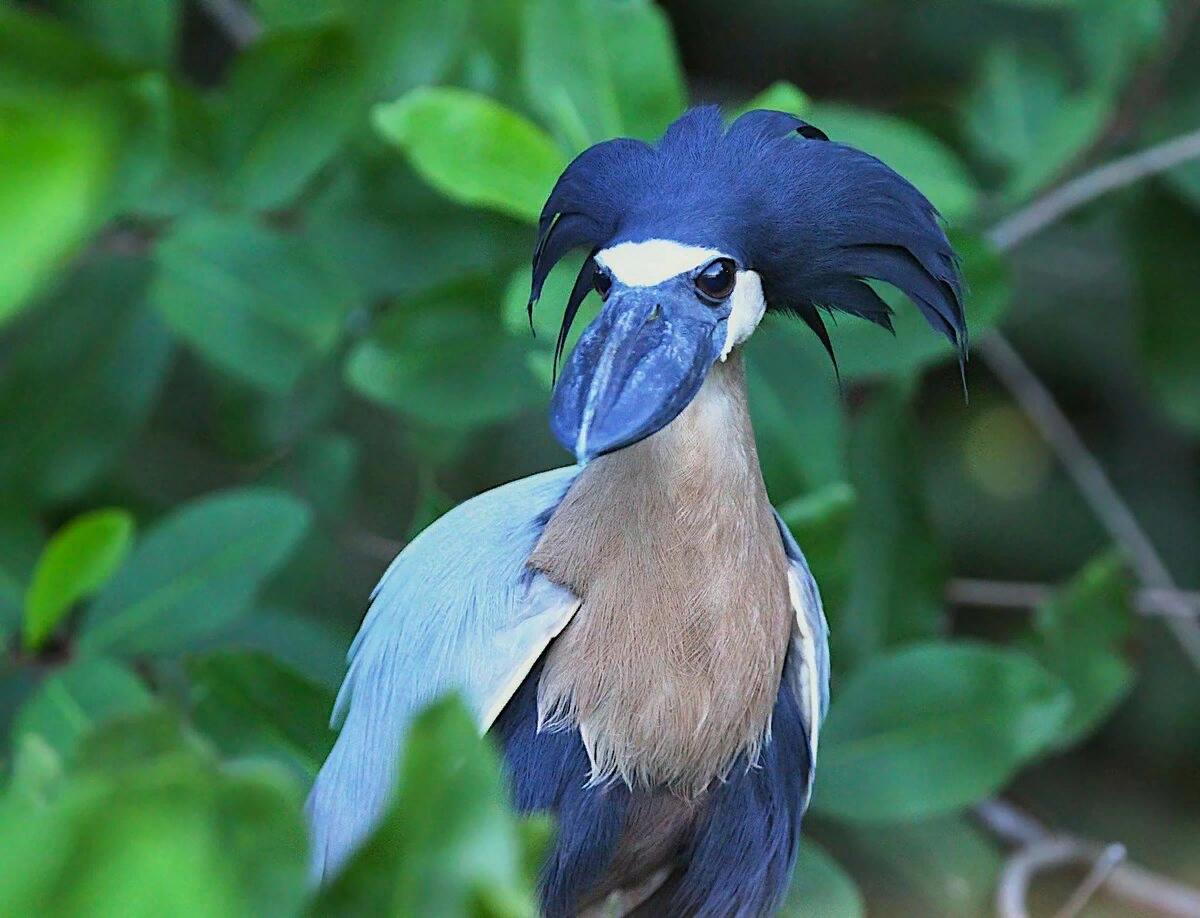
(146,101)
(566,71)
(129,742)
(143,31)
(647,76)
(194,572)
(1181,117)
(313,646)
(289,14)
(402,43)
(292,99)
(897,568)
(1012,105)
(473,149)
(122,111)
(262,304)
(21,536)
(192,175)
(11,603)
(408,43)
(490,56)
(17,684)
(321,469)
(821,888)
(20,545)
(1112,35)
(866,351)
(70,704)
(445,363)
(1078,636)
(933,728)
(1164,237)
(1022,115)
(449,842)
(820,511)
(820,522)
(250,704)
(780,96)
(38,53)
(249,424)
(944,867)
(78,560)
(37,772)
(81,380)
(173,835)
(797,408)
(597,69)
(539,341)
(58,160)
(376,210)
(918,156)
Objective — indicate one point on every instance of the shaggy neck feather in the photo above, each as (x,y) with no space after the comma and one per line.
(671,667)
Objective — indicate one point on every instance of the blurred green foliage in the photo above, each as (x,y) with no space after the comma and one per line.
(263,320)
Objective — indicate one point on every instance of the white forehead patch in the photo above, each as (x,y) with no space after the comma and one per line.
(747,307)
(644,264)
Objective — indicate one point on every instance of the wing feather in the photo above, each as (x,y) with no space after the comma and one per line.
(810,642)
(457,610)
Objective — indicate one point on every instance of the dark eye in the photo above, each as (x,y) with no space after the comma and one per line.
(716,279)
(601,283)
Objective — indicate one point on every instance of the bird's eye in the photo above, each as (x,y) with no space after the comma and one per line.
(601,283)
(716,279)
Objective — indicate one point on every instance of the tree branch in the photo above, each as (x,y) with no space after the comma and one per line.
(1108,861)
(1006,594)
(1096,183)
(235,20)
(1038,850)
(1039,405)
(1093,482)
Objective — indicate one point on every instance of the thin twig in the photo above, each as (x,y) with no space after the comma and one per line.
(1012,890)
(235,20)
(1006,594)
(1093,482)
(1039,849)
(1108,861)
(1009,823)
(1092,185)
(1038,403)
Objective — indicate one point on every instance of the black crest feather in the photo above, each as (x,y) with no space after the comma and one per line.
(814,218)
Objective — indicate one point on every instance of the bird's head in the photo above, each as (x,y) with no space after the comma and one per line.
(692,241)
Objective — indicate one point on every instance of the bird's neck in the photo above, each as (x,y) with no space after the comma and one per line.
(672,665)
(712,439)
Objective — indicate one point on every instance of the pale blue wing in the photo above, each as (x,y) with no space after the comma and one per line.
(810,643)
(457,610)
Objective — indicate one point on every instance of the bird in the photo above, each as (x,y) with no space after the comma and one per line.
(638,631)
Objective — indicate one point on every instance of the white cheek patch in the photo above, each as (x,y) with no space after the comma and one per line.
(645,264)
(748,306)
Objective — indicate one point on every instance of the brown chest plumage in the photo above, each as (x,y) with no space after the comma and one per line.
(672,665)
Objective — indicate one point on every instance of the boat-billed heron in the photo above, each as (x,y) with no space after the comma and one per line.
(639,632)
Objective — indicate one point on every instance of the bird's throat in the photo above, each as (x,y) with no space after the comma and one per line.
(671,667)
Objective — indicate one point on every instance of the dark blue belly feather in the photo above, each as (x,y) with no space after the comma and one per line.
(734,857)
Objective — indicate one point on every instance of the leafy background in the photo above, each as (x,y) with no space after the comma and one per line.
(263,270)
